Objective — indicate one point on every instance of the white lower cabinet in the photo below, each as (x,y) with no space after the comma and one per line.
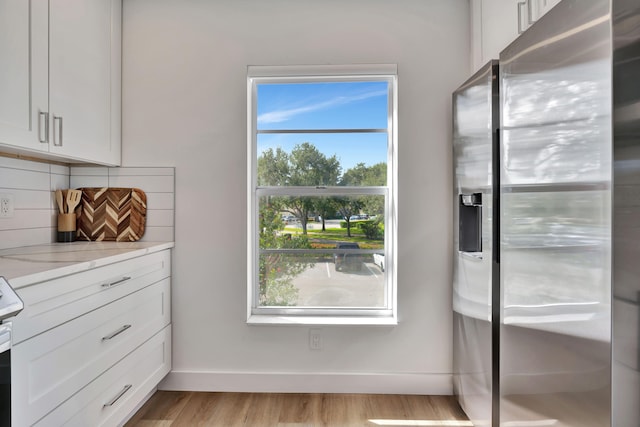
(84,340)
(60,300)
(116,393)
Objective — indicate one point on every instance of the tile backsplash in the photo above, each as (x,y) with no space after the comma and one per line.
(31,185)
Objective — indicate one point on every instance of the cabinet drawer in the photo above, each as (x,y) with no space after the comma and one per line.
(53,366)
(51,303)
(116,393)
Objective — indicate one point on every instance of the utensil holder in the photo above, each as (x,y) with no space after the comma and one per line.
(66,227)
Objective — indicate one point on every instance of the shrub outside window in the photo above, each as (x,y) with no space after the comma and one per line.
(322,194)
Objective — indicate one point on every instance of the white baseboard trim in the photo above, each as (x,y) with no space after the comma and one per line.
(287,382)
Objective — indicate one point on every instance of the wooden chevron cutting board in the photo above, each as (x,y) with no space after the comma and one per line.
(112,214)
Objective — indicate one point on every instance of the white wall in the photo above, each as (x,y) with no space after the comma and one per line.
(184,105)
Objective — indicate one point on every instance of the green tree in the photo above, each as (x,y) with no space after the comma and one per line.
(348,206)
(368,176)
(273,167)
(362,175)
(310,167)
(325,207)
(276,271)
(306,166)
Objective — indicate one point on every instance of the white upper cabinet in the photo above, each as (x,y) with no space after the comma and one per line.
(63,81)
(24,88)
(496,23)
(544,6)
(84,79)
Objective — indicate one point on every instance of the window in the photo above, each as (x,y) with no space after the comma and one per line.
(321,196)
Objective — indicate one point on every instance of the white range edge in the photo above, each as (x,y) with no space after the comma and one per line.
(28,265)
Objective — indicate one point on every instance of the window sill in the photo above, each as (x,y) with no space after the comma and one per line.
(262,319)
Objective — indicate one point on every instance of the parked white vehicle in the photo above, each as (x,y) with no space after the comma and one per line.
(378,259)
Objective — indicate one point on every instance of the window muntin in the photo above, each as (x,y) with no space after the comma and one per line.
(298,185)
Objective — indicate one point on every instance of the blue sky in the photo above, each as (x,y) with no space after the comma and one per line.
(333,105)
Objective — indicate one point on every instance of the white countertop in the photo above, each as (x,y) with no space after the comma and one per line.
(32,264)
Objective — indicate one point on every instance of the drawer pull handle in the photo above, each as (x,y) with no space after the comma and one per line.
(118,396)
(116,333)
(108,285)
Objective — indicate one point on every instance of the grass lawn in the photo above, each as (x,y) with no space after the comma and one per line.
(327,239)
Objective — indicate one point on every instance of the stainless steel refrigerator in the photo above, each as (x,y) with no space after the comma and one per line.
(566,334)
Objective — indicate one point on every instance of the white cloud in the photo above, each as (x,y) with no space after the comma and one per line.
(279,116)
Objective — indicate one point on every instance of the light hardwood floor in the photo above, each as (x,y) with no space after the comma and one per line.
(177,409)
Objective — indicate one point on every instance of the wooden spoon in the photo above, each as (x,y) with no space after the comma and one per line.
(64,201)
(73,199)
(59,201)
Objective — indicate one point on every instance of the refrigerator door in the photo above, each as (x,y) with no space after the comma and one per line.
(555,239)
(626,201)
(474,130)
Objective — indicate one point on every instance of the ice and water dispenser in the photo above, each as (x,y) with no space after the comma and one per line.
(470,222)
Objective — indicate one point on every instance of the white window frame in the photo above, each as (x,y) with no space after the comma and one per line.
(315,316)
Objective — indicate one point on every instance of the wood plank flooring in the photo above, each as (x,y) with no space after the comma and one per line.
(190,409)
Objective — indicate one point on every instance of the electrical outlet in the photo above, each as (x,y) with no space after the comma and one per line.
(315,339)
(6,205)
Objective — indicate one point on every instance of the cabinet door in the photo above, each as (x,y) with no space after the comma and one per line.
(545,5)
(23,74)
(500,25)
(84,78)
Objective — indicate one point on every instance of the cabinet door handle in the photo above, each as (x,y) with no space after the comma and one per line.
(108,285)
(43,124)
(116,333)
(57,141)
(529,13)
(117,396)
(520,5)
